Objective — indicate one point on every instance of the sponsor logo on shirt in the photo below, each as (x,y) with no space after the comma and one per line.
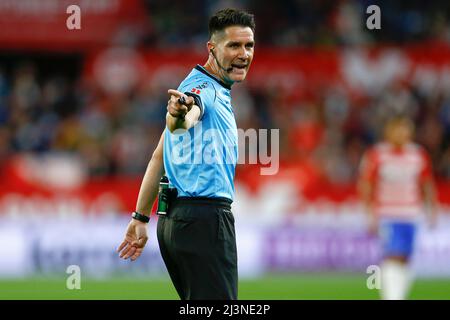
(197,89)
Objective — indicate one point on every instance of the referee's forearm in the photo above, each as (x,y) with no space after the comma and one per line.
(174,123)
(149,186)
(150,183)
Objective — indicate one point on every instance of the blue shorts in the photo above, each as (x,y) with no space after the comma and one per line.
(397,238)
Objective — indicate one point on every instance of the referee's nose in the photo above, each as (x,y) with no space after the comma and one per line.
(244,54)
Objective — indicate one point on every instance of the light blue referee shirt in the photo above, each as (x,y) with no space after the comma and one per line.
(201,162)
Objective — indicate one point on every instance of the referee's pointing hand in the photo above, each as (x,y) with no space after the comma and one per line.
(176,106)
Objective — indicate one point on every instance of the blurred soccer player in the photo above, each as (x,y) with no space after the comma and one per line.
(395,182)
(197,235)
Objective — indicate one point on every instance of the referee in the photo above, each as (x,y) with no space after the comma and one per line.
(197,235)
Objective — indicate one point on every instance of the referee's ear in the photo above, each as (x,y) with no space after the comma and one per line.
(210,46)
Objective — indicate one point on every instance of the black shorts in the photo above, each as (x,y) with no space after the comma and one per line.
(198,244)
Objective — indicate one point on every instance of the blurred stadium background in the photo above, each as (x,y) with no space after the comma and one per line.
(82,110)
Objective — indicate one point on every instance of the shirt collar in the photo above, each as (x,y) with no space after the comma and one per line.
(203,70)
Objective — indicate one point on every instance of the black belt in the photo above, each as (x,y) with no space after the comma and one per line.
(220,201)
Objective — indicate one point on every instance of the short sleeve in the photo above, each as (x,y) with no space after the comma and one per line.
(203,93)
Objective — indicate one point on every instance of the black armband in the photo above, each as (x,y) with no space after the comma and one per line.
(197,101)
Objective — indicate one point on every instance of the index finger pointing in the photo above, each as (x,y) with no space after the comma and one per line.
(176,93)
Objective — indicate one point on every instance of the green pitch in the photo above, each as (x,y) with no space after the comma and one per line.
(290,287)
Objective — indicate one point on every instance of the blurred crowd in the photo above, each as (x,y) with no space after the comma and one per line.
(115,134)
(112,134)
(309,23)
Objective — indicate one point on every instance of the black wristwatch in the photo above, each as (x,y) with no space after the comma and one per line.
(140,217)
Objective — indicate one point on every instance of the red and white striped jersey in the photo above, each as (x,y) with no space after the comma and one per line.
(396,175)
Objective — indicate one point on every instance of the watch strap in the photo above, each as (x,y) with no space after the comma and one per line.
(136,215)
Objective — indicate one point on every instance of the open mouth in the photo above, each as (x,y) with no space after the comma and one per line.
(239,66)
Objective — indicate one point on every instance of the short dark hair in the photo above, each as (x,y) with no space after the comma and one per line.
(230,17)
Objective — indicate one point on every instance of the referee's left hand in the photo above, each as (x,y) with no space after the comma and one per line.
(135,240)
